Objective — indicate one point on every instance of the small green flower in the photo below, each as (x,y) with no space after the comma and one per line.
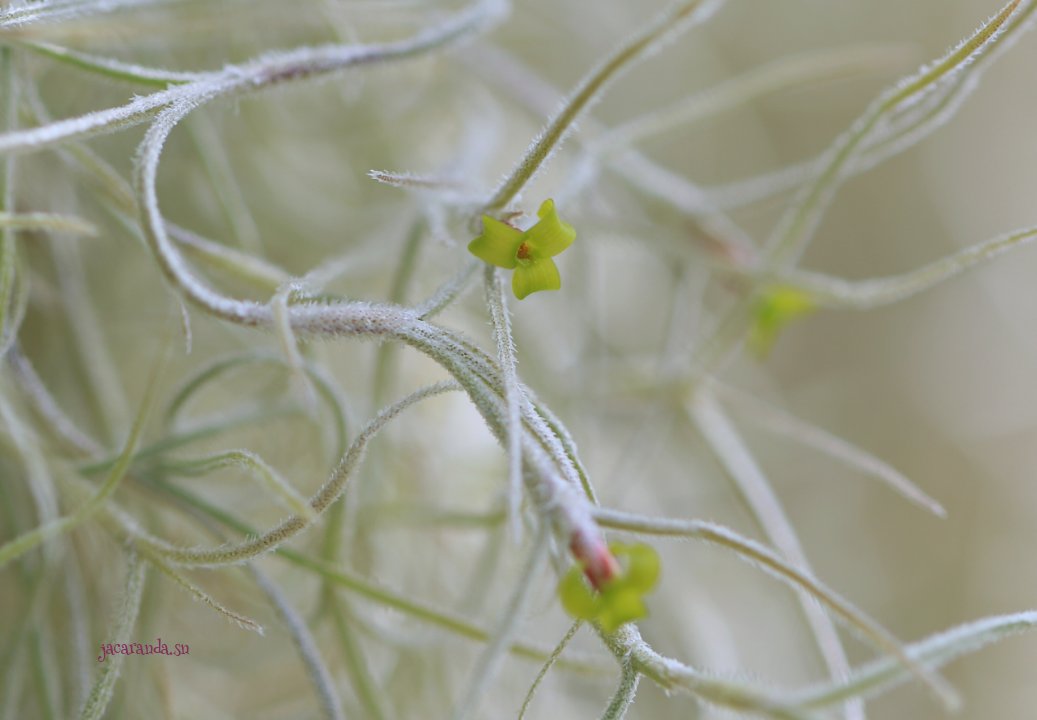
(776,307)
(620,599)
(529,253)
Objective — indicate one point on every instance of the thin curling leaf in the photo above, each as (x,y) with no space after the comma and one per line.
(242,621)
(364,588)
(678,17)
(795,230)
(120,633)
(621,598)
(555,654)
(320,502)
(784,424)
(738,462)
(529,253)
(834,292)
(305,645)
(776,307)
(935,651)
(260,469)
(23,543)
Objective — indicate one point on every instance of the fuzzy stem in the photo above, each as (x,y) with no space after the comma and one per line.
(675,19)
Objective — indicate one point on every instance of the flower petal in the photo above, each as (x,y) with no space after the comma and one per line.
(578,599)
(541,274)
(776,307)
(618,606)
(550,235)
(642,571)
(498,243)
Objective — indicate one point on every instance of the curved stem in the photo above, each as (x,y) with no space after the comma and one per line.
(676,18)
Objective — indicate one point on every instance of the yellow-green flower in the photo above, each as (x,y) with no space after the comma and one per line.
(528,253)
(620,599)
(775,308)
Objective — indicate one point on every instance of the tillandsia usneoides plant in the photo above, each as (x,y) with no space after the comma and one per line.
(205,512)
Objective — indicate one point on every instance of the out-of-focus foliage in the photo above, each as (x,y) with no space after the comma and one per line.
(766,325)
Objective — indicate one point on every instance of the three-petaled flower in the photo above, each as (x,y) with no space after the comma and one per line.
(528,252)
(620,598)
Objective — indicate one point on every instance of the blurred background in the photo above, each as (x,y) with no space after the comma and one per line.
(941,386)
